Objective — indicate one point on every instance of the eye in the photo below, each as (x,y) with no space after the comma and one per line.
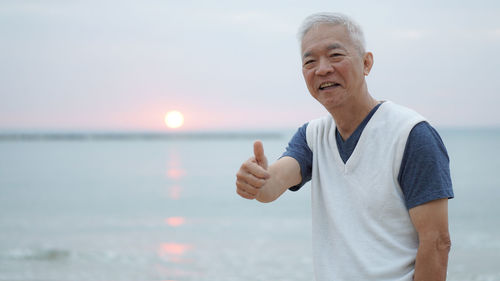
(333,55)
(308,62)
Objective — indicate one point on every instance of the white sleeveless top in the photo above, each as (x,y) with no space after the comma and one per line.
(361,227)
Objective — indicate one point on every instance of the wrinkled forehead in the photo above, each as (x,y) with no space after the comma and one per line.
(326,36)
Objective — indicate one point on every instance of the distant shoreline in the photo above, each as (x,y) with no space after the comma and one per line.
(14,135)
(151,136)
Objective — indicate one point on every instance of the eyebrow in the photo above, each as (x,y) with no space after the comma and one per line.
(329,47)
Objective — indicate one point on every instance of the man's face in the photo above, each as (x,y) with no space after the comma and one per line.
(332,66)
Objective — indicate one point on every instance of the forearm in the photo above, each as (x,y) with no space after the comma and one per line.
(284,173)
(432,259)
(273,189)
(431,222)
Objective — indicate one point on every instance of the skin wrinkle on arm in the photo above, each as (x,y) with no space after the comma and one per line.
(431,222)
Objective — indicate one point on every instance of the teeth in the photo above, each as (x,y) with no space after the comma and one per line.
(327,84)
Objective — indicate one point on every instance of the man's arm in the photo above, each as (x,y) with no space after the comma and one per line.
(431,222)
(255,180)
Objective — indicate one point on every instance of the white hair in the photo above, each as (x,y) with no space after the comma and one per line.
(353,29)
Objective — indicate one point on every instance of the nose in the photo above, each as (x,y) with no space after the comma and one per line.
(324,67)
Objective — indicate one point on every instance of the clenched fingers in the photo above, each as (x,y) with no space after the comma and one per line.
(246,190)
(247,185)
(250,166)
(250,178)
(245,194)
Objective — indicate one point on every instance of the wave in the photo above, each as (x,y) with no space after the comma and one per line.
(49,254)
(42,254)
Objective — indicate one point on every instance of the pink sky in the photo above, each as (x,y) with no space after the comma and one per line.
(232,65)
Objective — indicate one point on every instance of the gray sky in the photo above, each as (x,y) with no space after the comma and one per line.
(121,65)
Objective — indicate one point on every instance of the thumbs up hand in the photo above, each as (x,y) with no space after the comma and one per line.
(253,174)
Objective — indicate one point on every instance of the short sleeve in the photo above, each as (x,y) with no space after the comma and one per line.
(299,150)
(425,169)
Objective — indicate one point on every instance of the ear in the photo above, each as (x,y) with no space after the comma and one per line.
(367,63)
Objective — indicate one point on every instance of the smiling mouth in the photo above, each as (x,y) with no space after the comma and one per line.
(328,85)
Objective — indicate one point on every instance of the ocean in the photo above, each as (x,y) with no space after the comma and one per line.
(131,208)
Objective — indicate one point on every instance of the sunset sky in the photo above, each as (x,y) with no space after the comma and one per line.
(122,65)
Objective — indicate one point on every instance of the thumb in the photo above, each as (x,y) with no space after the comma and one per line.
(258,151)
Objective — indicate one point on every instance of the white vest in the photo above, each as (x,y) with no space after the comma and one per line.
(361,227)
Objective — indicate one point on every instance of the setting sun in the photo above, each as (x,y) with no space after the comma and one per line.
(174,119)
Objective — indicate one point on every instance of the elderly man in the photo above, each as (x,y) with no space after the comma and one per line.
(379,172)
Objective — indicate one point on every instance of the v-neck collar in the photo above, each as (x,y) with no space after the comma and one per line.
(355,139)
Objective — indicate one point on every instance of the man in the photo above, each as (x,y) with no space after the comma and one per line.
(379,172)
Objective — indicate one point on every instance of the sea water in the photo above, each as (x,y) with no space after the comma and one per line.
(167,210)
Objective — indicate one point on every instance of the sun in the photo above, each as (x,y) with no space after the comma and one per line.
(174,119)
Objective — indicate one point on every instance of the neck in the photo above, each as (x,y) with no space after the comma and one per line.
(350,114)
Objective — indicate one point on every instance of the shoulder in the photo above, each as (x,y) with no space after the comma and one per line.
(320,128)
(398,113)
(425,139)
(300,135)
(425,172)
(297,146)
(299,150)
(322,122)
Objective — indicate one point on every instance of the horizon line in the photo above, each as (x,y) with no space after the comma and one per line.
(97,135)
(131,135)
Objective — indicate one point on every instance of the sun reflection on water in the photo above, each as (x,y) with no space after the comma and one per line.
(174,166)
(176,256)
(175,249)
(174,252)
(175,221)
(175,173)
(174,192)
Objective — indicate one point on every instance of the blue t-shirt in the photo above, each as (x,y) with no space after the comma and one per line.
(424,174)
